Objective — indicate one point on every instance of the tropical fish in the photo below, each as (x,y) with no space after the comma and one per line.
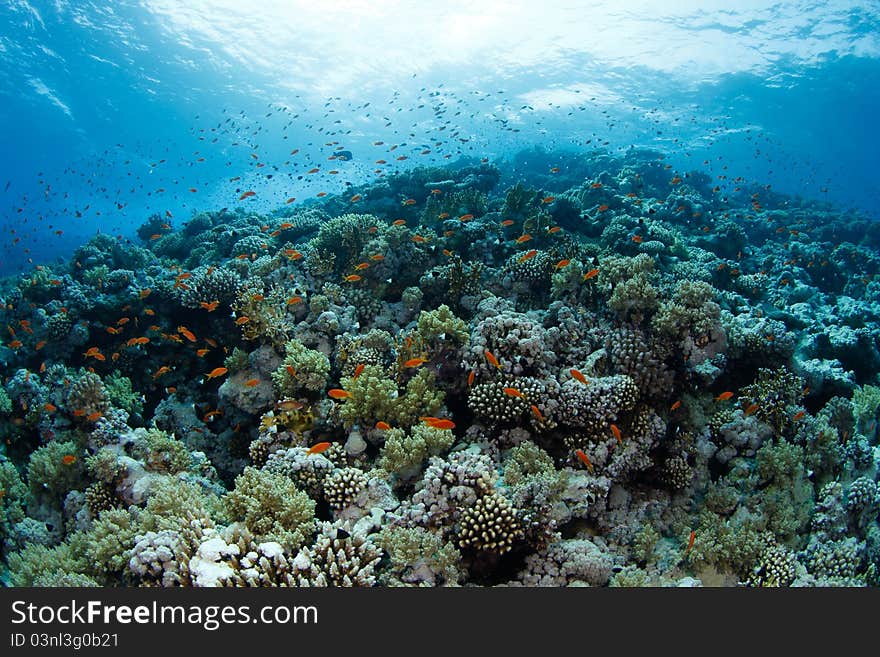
(523,238)
(577,375)
(185,332)
(584,459)
(591,274)
(68,459)
(617,435)
(675,406)
(491,358)
(438,423)
(216,372)
(561,264)
(252,383)
(338,393)
(244,319)
(384,426)
(513,392)
(317,448)
(352,278)
(415,362)
(724,396)
(528,255)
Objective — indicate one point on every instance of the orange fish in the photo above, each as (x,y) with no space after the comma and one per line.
(351,278)
(361,266)
(491,358)
(68,459)
(244,319)
(513,392)
(201,353)
(548,199)
(419,239)
(162,370)
(466,217)
(523,238)
(616,433)
(751,409)
(415,362)
(410,201)
(438,423)
(561,264)
(399,222)
(185,332)
(355,198)
(724,396)
(471,376)
(798,416)
(554,229)
(577,375)
(377,257)
(210,307)
(251,383)
(290,200)
(637,239)
(94,417)
(40,345)
(596,185)
(584,459)
(143,294)
(317,448)
(289,405)
(50,408)
(247,194)
(591,274)
(293,254)
(358,370)
(507,222)
(292,301)
(537,413)
(290,370)
(216,372)
(384,426)
(690,544)
(675,406)
(338,393)
(603,207)
(528,255)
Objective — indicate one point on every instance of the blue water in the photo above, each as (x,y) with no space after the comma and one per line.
(105,104)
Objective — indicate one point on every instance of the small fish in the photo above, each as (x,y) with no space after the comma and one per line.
(50,408)
(596,185)
(438,423)
(244,319)
(548,199)
(591,274)
(358,370)
(162,370)
(724,396)
(690,544)
(537,413)
(466,217)
(384,426)
(415,362)
(637,239)
(143,294)
(528,255)
(751,409)
(94,417)
(399,222)
(292,301)
(554,229)
(216,372)
(584,459)
(471,376)
(247,194)
(355,198)
(290,370)
(289,405)
(210,307)
(554,170)
(507,222)
(201,353)
(523,238)
(603,207)
(252,383)
(513,392)
(410,201)
(317,448)
(675,406)
(292,254)
(798,416)
(576,374)
(377,257)
(561,264)
(185,332)
(40,345)
(68,459)
(617,435)
(338,393)
(491,358)
(361,266)
(352,278)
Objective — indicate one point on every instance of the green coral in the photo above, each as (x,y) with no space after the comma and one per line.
(786,495)
(524,461)
(418,557)
(161,452)
(51,474)
(13,499)
(866,403)
(311,370)
(236,361)
(727,544)
(375,397)
(690,312)
(179,506)
(271,507)
(441,325)
(108,543)
(341,239)
(5,402)
(404,455)
(774,391)
(121,395)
